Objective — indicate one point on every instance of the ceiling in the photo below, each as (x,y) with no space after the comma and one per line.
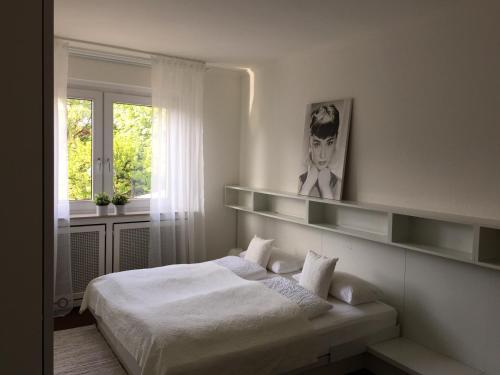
(233,32)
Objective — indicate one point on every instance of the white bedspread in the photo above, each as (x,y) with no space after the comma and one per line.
(242,267)
(201,318)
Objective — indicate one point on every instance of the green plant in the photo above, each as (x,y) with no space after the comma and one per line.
(102,199)
(119,199)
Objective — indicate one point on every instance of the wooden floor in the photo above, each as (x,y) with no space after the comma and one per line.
(73,320)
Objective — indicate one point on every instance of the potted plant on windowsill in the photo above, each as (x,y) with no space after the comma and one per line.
(102,201)
(120,200)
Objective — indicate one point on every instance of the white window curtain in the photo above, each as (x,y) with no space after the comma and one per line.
(177,188)
(63,293)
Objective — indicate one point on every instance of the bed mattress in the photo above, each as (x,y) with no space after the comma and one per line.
(350,329)
(346,323)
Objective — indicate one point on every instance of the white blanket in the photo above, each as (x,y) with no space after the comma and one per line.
(242,267)
(201,318)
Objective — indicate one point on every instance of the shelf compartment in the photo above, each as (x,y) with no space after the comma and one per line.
(369,224)
(489,247)
(239,199)
(444,238)
(284,208)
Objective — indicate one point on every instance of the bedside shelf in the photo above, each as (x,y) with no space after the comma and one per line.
(461,238)
(416,359)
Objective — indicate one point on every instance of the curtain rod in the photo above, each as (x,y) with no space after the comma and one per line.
(116,56)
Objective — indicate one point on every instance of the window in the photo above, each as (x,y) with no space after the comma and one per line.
(79,125)
(132,149)
(109,147)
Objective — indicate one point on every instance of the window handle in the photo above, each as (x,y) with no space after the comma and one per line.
(99,165)
(108,163)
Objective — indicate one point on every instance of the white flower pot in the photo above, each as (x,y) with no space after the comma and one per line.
(120,209)
(102,210)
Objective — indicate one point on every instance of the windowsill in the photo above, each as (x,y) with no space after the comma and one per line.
(113,215)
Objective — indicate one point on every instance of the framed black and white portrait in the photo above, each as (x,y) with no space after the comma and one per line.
(326,137)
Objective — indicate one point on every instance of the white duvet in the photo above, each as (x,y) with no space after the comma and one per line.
(201,318)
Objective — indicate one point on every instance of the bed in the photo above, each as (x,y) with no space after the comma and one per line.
(162,320)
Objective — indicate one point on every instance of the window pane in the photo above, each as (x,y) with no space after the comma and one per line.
(132,149)
(79,124)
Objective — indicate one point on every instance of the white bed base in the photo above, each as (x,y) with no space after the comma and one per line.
(127,361)
(330,355)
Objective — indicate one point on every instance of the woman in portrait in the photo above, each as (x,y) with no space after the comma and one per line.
(319,180)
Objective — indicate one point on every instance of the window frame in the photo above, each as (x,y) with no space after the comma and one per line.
(84,206)
(135,204)
(102,144)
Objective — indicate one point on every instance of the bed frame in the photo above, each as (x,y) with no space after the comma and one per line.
(331,354)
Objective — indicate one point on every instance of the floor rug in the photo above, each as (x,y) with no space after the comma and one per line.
(83,350)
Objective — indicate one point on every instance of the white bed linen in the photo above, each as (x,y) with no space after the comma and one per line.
(242,267)
(348,322)
(201,317)
(345,323)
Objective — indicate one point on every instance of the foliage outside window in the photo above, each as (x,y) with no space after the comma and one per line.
(79,133)
(132,149)
(129,144)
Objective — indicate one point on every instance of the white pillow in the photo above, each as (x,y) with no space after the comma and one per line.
(281,262)
(310,304)
(317,273)
(350,289)
(259,251)
(235,252)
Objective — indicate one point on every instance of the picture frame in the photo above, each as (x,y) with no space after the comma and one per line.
(326,137)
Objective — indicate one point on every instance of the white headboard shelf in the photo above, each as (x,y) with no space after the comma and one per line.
(463,238)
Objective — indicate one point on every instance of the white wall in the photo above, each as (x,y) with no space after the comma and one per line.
(221,151)
(221,135)
(425,134)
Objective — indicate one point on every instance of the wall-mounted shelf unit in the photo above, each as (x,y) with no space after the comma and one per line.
(489,247)
(466,239)
(239,199)
(358,222)
(280,207)
(450,239)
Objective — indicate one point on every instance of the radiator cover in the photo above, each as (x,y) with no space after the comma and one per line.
(87,256)
(130,246)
